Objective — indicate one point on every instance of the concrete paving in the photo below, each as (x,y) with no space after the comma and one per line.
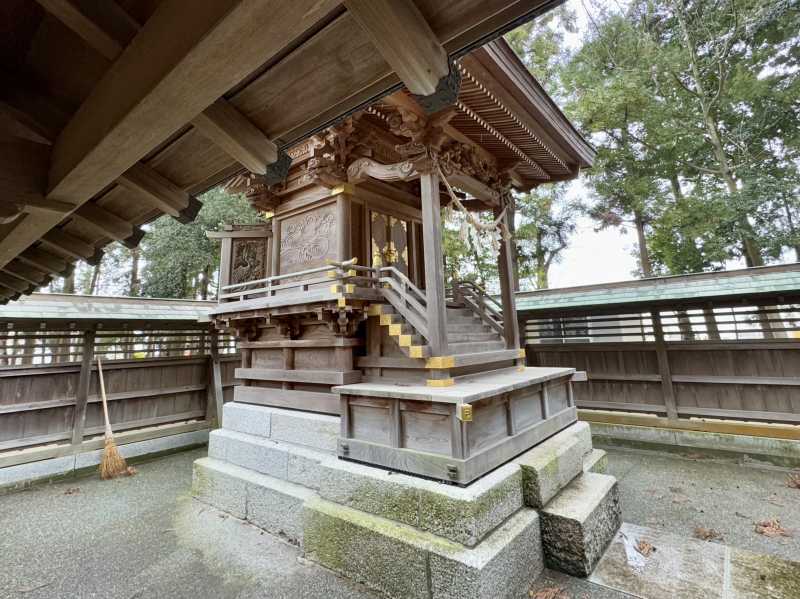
(679,493)
(143,537)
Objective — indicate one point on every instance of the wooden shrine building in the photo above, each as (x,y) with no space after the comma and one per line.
(342,297)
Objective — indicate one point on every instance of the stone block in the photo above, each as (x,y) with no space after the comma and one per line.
(246,418)
(386,556)
(305,466)
(217,445)
(503,566)
(461,514)
(23,474)
(317,431)
(551,465)
(220,485)
(276,505)
(403,562)
(468,514)
(372,490)
(596,461)
(579,523)
(249,451)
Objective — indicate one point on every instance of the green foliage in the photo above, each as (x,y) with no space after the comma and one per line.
(181,262)
(546,222)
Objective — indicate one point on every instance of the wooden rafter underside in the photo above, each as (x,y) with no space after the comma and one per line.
(129,153)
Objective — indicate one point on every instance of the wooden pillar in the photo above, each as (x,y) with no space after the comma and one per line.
(663,366)
(434,273)
(275,267)
(82,392)
(505,268)
(345,230)
(214,395)
(712,329)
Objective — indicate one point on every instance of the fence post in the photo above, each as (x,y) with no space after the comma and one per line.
(663,366)
(214,396)
(82,392)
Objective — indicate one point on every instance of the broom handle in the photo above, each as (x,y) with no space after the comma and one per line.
(103,396)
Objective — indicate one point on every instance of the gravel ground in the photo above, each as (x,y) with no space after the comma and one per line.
(679,494)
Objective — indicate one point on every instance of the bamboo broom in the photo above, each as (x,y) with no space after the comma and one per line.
(112,464)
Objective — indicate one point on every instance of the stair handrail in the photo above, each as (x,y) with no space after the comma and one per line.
(475,298)
(403,295)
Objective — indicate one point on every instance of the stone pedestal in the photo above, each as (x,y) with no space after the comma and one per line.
(400,534)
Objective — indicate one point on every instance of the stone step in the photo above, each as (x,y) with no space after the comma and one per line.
(271,504)
(554,463)
(284,461)
(401,561)
(316,431)
(476,347)
(580,522)
(596,461)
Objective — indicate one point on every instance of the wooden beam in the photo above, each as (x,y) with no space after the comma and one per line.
(45,261)
(72,16)
(106,222)
(178,65)
(505,268)
(31,274)
(14,283)
(405,40)
(70,245)
(234,133)
(663,366)
(82,392)
(156,189)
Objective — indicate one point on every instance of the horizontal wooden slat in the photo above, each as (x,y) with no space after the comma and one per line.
(327,377)
(312,401)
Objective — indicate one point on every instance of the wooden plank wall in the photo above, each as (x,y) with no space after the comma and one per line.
(37,402)
(752,380)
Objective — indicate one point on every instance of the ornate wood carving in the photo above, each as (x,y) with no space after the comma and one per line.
(308,239)
(256,190)
(366,167)
(248,260)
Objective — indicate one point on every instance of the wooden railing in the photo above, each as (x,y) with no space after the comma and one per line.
(483,305)
(269,286)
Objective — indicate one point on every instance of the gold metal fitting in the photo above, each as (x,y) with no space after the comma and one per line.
(464,412)
(441,382)
(441,362)
(404,340)
(395,329)
(416,351)
(386,319)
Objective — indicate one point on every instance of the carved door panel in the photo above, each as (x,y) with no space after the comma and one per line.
(389,241)
(379,246)
(398,243)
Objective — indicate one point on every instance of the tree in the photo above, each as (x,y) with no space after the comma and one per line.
(180,261)
(546,222)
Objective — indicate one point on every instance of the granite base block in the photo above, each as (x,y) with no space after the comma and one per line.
(579,523)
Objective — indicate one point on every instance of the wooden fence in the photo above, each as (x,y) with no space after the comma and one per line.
(49,388)
(740,362)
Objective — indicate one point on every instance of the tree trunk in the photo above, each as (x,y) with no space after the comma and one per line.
(204,282)
(95,278)
(792,229)
(750,247)
(135,285)
(69,283)
(644,255)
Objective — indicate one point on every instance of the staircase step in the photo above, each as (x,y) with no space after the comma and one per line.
(487,357)
(474,347)
(477,336)
(467,327)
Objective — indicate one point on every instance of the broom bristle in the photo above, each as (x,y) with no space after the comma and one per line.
(112,464)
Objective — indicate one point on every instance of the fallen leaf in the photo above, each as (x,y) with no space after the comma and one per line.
(645,548)
(680,499)
(130,471)
(793,480)
(549,593)
(772,528)
(706,534)
(72,491)
(695,456)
